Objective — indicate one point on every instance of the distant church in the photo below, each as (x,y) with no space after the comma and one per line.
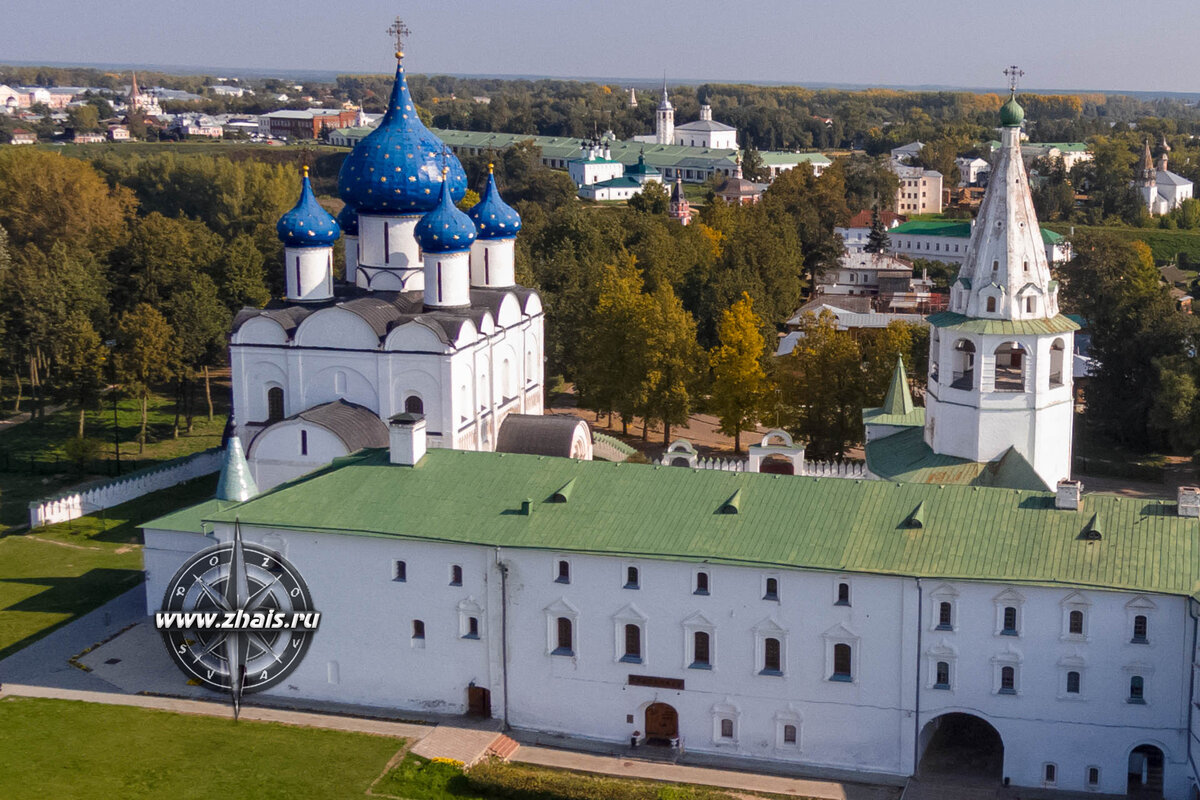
(1161,190)
(429,320)
(704,132)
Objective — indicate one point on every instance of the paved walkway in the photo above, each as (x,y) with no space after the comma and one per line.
(677,773)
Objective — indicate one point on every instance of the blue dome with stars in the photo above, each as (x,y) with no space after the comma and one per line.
(307,224)
(445,229)
(494,218)
(397,168)
(347,220)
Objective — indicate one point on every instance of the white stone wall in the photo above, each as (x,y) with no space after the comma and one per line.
(74,504)
(878,721)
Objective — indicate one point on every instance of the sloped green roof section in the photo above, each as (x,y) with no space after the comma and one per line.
(955,228)
(190,519)
(667,512)
(961,322)
(898,408)
(906,457)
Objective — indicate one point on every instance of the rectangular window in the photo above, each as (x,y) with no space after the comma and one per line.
(1075,623)
(399,571)
(945,618)
(631,578)
(303,442)
(942,680)
(564,572)
(1008,680)
(771,657)
(726,729)
(1137,689)
(1073,682)
(418,629)
(701,658)
(633,644)
(1139,629)
(1051,773)
(472,628)
(843,594)
(563,640)
(701,583)
(789,734)
(1093,777)
(842,661)
(455,575)
(772,589)
(1010,621)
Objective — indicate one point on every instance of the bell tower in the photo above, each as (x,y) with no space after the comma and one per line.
(1000,358)
(664,119)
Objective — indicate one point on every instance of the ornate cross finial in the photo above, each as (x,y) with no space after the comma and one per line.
(1014,74)
(399,31)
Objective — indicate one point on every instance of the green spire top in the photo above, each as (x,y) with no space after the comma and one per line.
(236,483)
(1011,113)
(898,400)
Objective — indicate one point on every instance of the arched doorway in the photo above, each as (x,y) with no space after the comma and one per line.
(961,746)
(662,724)
(1146,772)
(777,465)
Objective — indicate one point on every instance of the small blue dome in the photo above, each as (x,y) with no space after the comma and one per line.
(494,218)
(347,220)
(445,229)
(397,168)
(307,224)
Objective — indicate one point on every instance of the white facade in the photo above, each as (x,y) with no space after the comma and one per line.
(595,165)
(664,120)
(876,718)
(705,132)
(971,170)
(920,189)
(952,247)
(858,273)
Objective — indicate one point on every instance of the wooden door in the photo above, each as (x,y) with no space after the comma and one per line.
(479,702)
(662,721)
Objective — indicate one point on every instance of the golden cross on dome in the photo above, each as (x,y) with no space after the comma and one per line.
(399,31)
(1014,73)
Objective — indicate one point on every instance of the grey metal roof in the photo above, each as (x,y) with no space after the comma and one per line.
(535,434)
(357,426)
(704,125)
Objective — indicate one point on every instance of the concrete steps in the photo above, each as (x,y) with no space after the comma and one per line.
(502,747)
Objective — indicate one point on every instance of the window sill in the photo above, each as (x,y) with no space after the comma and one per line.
(470,636)
(772,597)
(945,687)
(631,659)
(456,583)
(845,603)
(1012,692)
(774,673)
(841,677)
(699,592)
(562,580)
(562,651)
(1009,633)
(1139,640)
(631,586)
(1136,701)
(944,628)
(699,665)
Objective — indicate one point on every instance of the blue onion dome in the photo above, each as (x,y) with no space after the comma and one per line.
(347,220)
(396,169)
(494,218)
(307,224)
(445,229)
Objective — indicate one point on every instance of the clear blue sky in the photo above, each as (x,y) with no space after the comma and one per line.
(1061,44)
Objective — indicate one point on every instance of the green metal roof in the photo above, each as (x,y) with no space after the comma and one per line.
(778,158)
(967,532)
(906,457)
(961,322)
(623,182)
(956,228)
(188,520)
(897,408)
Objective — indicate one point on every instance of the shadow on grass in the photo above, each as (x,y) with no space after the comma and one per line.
(74,596)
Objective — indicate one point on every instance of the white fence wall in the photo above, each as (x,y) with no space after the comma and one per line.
(607,448)
(74,504)
(816,469)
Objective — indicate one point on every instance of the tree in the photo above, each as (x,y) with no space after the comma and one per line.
(822,387)
(740,384)
(881,348)
(241,274)
(160,258)
(79,360)
(878,240)
(673,356)
(1139,340)
(652,199)
(200,323)
(752,164)
(145,355)
(83,119)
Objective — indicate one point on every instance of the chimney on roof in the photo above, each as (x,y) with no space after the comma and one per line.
(1189,501)
(1069,495)
(406,439)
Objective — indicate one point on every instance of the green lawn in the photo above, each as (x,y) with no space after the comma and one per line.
(54,575)
(45,441)
(64,749)
(416,778)
(1164,245)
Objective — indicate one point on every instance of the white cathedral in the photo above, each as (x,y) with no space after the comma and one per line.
(970,610)
(429,320)
(704,132)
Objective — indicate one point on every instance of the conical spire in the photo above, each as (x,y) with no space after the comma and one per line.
(236,483)
(899,399)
